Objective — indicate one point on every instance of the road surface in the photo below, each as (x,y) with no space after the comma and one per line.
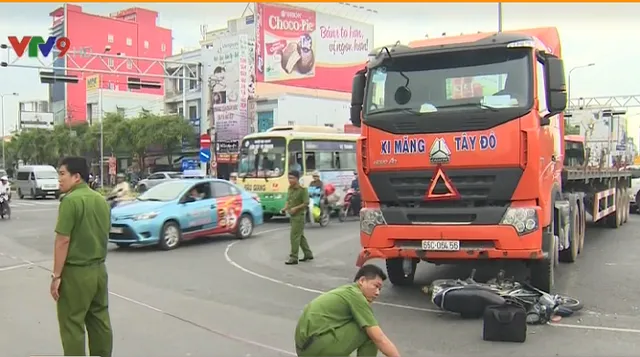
(221,296)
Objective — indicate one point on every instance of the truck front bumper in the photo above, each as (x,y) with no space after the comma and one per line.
(475,243)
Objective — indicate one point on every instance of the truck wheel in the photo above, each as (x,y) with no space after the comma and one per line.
(395,270)
(627,205)
(569,255)
(543,270)
(614,220)
(583,225)
(638,202)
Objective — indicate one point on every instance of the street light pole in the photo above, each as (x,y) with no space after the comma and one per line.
(499,17)
(569,81)
(4,163)
(107,49)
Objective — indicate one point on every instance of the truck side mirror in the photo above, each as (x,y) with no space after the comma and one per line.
(357,97)
(556,86)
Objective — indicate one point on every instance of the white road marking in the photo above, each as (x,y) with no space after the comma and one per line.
(401,306)
(24,265)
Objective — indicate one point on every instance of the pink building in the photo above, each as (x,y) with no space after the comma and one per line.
(131,32)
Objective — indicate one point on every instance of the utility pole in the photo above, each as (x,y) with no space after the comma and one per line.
(499,17)
(4,163)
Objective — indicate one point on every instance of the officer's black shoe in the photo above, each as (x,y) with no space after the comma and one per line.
(306,259)
(291,262)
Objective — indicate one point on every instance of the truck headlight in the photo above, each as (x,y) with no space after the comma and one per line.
(523,219)
(370,218)
(144,216)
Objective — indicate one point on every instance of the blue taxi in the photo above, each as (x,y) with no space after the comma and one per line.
(179,210)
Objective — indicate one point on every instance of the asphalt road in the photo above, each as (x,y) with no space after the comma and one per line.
(220,296)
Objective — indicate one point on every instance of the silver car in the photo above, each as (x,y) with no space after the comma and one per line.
(157,178)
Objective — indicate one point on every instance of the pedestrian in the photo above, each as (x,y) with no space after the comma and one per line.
(341,321)
(79,279)
(296,206)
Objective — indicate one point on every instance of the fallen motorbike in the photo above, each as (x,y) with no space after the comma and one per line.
(470,298)
(347,209)
(5,209)
(317,213)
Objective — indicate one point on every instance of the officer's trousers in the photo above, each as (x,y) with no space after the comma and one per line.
(340,342)
(84,303)
(298,240)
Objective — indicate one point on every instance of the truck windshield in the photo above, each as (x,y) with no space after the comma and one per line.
(487,79)
(263,157)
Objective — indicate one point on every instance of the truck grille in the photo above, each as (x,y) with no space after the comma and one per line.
(485,195)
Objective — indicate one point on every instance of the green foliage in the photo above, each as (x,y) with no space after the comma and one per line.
(124,137)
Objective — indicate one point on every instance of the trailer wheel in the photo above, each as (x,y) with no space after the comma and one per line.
(583,225)
(614,220)
(543,270)
(395,270)
(627,205)
(569,255)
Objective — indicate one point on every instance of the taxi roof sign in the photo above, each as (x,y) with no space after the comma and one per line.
(440,177)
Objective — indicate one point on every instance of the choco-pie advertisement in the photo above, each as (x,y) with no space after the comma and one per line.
(303,48)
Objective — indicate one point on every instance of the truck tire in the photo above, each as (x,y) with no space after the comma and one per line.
(543,270)
(614,220)
(583,225)
(396,274)
(569,255)
(627,205)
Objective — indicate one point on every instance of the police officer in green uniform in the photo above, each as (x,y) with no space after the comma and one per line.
(341,321)
(296,206)
(79,279)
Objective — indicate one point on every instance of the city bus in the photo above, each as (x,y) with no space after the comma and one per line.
(267,158)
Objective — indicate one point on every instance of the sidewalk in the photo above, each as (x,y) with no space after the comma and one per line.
(29,325)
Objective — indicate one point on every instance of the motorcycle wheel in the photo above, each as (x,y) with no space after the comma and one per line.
(570,303)
(324,219)
(342,215)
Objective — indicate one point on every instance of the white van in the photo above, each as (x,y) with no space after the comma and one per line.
(37,181)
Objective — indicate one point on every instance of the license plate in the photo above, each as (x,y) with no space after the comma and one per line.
(441,245)
(116,230)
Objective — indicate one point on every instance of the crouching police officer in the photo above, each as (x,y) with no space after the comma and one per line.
(79,279)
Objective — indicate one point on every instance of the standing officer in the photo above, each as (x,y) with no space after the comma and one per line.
(79,279)
(296,206)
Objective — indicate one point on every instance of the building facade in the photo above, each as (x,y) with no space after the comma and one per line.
(132,32)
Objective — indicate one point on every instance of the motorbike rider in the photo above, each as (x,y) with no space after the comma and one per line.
(316,182)
(121,191)
(5,188)
(356,201)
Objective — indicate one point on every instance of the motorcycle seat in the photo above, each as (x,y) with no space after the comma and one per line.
(468,301)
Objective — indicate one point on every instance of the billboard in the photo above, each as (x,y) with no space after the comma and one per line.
(303,48)
(229,72)
(35,120)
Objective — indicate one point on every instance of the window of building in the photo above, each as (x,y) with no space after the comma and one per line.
(129,41)
(329,125)
(180,112)
(129,64)
(110,62)
(163,47)
(110,38)
(193,112)
(192,84)
(146,45)
(291,122)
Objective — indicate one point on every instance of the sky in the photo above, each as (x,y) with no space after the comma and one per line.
(604,34)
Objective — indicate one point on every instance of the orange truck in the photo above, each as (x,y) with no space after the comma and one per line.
(462,156)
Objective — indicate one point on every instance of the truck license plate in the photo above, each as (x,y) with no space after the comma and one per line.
(117,230)
(441,245)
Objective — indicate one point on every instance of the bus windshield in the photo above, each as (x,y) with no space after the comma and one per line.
(467,80)
(262,157)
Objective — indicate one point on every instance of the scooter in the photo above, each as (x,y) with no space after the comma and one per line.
(316,212)
(5,209)
(347,209)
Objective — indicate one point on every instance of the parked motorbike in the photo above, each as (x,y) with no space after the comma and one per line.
(347,209)
(317,213)
(5,209)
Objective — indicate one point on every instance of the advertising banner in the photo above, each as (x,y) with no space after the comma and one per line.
(230,73)
(303,48)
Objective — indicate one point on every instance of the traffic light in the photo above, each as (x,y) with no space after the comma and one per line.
(52,77)
(137,83)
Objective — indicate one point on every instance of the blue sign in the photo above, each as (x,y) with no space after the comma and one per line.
(190,164)
(205,155)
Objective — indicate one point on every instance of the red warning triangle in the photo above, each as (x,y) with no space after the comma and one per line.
(450,192)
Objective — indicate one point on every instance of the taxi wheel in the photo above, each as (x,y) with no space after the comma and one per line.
(245,227)
(170,236)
